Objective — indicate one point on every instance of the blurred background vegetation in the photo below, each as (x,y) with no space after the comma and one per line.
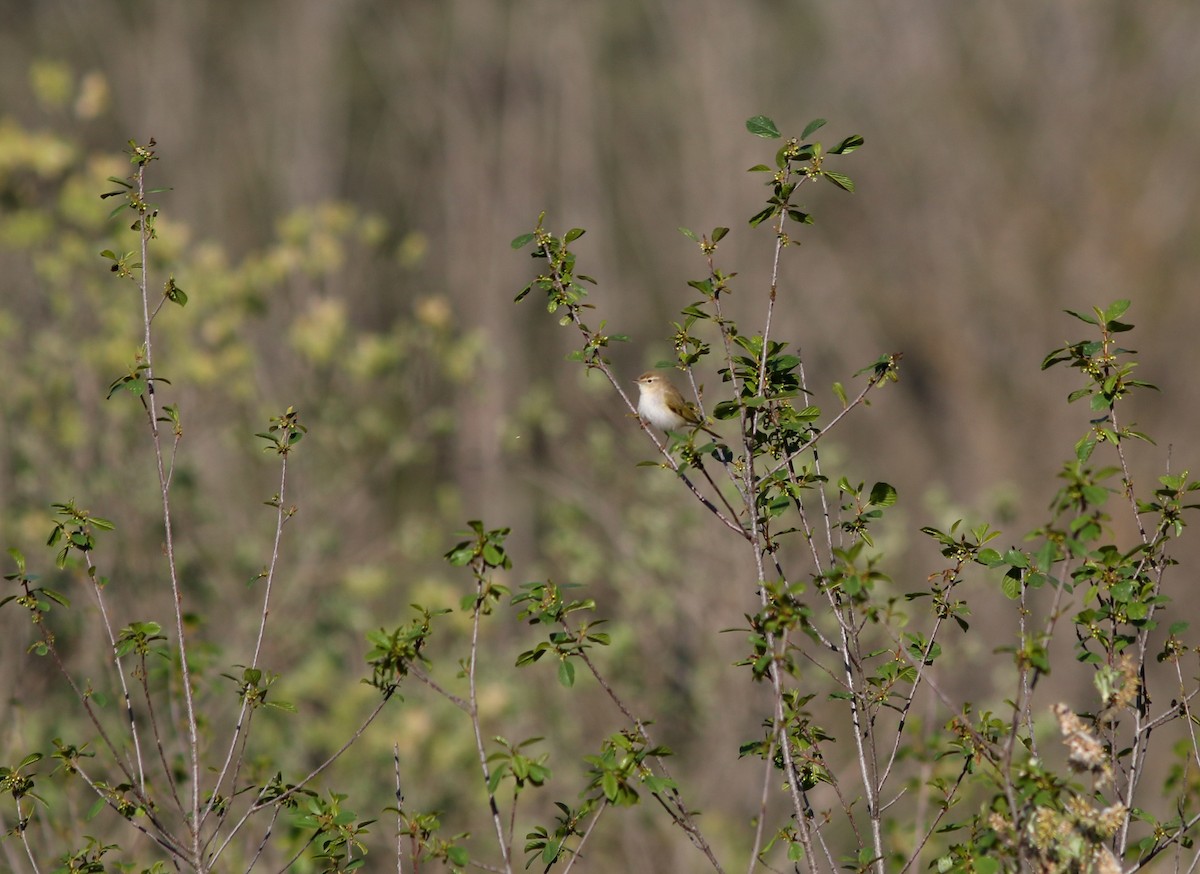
(345,179)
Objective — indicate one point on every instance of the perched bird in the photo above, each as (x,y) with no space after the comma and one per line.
(663,406)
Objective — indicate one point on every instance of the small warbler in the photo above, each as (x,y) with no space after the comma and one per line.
(663,406)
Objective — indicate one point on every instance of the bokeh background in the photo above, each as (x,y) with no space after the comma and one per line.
(345,178)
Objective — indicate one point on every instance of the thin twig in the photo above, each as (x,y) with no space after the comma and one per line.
(22,827)
(112,642)
(168,773)
(159,834)
(151,402)
(262,844)
(399,812)
(474,712)
(587,833)
(760,826)
(678,810)
(262,801)
(281,517)
(812,444)
(945,808)
(460,703)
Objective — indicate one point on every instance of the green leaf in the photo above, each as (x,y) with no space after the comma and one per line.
(759,168)
(761,126)
(1016,558)
(1081,317)
(1116,310)
(761,216)
(608,783)
(691,235)
(174,293)
(566,672)
(882,495)
(840,391)
(493,554)
(718,234)
(522,241)
(1011,587)
(812,127)
(989,557)
(573,235)
(725,410)
(848,145)
(841,180)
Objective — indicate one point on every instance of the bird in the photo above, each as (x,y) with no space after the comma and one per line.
(663,406)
